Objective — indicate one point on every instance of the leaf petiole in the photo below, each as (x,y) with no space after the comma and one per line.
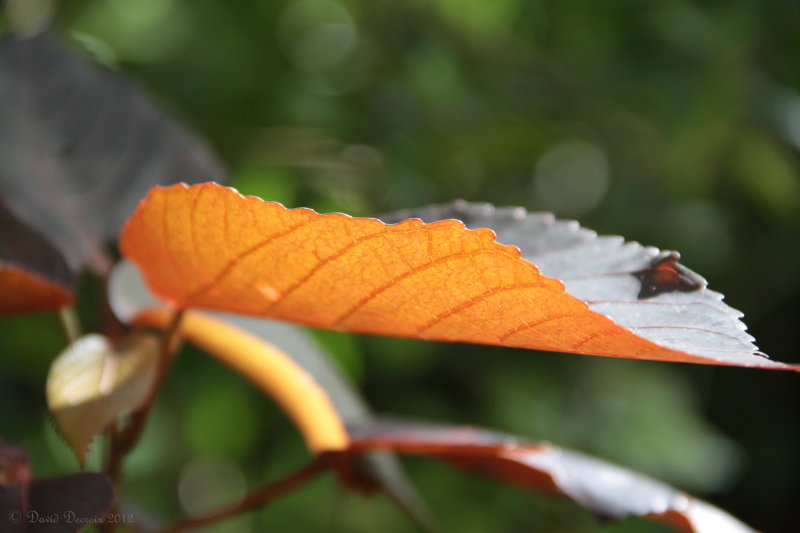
(122,442)
(70,323)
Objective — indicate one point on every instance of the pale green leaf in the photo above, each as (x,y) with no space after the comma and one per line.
(91,384)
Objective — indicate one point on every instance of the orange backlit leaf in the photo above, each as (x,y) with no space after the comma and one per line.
(206,246)
(24,292)
(33,274)
(605,489)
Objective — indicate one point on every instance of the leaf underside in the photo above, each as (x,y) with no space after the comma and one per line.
(607,490)
(206,246)
(78,147)
(616,278)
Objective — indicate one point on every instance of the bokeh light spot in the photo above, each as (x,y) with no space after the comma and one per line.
(571,178)
(317,34)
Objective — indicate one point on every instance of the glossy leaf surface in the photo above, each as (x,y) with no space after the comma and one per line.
(607,490)
(206,246)
(91,384)
(78,147)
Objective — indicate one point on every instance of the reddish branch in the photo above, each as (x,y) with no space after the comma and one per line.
(255,499)
(123,441)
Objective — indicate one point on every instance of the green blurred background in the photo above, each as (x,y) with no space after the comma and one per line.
(673,123)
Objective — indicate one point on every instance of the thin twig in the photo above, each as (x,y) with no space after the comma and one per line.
(111,326)
(123,442)
(255,499)
(70,323)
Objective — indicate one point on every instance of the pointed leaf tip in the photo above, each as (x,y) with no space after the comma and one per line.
(33,275)
(605,489)
(25,292)
(642,289)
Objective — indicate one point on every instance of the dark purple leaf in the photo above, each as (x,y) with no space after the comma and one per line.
(79,147)
(58,505)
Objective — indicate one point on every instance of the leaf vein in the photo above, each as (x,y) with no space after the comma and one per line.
(416,270)
(519,329)
(242,255)
(473,301)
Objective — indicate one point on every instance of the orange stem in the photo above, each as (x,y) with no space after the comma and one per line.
(270,369)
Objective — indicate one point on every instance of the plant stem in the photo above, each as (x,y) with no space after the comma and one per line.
(122,442)
(255,499)
(70,323)
(111,325)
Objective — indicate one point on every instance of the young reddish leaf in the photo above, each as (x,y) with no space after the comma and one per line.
(128,297)
(78,147)
(91,384)
(63,504)
(207,246)
(607,490)
(33,275)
